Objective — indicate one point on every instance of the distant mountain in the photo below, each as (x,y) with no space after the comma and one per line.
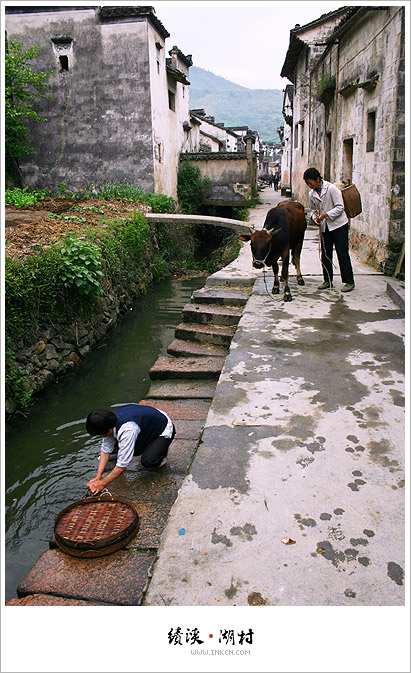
(236,105)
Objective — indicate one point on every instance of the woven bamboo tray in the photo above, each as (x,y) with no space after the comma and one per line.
(96,526)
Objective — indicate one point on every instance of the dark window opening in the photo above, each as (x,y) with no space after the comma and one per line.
(348,147)
(370,131)
(302,138)
(64,63)
(171,100)
(327,160)
(296,135)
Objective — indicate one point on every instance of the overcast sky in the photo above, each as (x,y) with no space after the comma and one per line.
(245,42)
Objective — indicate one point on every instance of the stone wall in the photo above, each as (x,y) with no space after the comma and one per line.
(99,114)
(59,348)
(233,175)
(352,106)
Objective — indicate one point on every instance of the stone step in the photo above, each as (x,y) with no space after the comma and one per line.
(212,334)
(210,314)
(181,389)
(188,410)
(188,349)
(222,296)
(186,368)
(115,579)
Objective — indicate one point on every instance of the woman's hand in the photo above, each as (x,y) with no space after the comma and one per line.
(321,217)
(95,485)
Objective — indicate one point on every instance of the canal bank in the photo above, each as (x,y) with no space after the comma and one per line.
(295,496)
(271,455)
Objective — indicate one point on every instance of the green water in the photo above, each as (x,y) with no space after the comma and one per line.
(49,457)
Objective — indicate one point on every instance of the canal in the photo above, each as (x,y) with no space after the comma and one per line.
(49,457)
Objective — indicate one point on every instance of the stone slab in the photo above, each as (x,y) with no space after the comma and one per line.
(172,218)
(153,519)
(181,409)
(44,599)
(115,579)
(396,290)
(212,314)
(223,296)
(188,429)
(213,334)
(182,389)
(186,368)
(183,348)
(160,486)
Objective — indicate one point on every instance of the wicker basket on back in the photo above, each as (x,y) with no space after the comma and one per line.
(96,526)
(352,199)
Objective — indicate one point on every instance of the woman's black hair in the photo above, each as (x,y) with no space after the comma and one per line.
(311,174)
(100,421)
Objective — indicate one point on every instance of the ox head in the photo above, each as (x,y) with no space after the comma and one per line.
(260,245)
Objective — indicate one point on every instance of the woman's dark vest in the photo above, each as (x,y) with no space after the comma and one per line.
(150,421)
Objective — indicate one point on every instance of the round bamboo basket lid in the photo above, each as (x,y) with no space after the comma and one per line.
(96,526)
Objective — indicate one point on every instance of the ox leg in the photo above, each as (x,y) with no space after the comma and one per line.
(276,286)
(296,262)
(284,273)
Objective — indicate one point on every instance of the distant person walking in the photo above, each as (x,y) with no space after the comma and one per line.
(275,181)
(328,212)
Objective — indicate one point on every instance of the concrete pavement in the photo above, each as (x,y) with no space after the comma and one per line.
(303,443)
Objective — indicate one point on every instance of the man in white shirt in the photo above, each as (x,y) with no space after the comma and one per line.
(133,430)
(328,212)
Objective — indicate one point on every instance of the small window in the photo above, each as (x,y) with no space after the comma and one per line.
(171,100)
(296,135)
(370,131)
(302,137)
(63,50)
(158,66)
(160,153)
(64,64)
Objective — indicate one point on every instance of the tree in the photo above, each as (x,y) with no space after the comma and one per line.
(23,88)
(192,188)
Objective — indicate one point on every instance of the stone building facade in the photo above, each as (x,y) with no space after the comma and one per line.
(118,104)
(348,72)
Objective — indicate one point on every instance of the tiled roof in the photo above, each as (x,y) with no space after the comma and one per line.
(297,44)
(120,12)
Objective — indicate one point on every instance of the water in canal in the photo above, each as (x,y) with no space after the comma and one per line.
(49,456)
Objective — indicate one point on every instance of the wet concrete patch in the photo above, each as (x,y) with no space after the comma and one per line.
(325,352)
(216,538)
(368,533)
(222,459)
(358,541)
(349,593)
(305,523)
(231,592)
(255,598)
(396,573)
(245,532)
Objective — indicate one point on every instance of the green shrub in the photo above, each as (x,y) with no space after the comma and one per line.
(15,381)
(81,266)
(21,197)
(192,188)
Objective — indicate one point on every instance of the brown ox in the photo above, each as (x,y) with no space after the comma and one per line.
(284,230)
